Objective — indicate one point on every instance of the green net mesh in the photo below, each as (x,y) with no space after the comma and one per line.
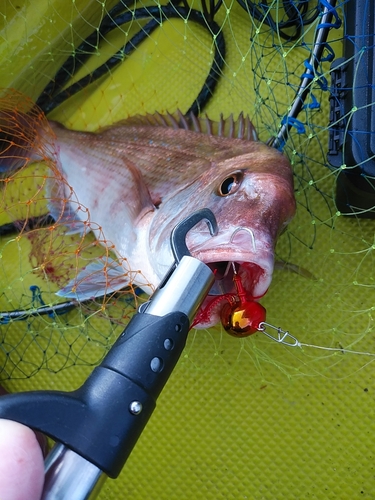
(249,418)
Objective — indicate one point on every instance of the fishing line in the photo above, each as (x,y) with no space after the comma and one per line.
(284,337)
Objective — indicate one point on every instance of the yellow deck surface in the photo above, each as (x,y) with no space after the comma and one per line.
(239,419)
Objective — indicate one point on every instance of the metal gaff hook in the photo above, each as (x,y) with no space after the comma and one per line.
(178,235)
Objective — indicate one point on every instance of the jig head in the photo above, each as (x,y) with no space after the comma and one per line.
(241,316)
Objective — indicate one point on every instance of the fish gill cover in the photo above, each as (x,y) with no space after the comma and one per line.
(90,64)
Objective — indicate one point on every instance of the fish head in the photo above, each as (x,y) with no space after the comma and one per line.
(252,197)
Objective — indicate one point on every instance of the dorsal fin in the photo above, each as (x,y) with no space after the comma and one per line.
(242,128)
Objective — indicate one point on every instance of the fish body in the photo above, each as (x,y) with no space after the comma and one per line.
(133,181)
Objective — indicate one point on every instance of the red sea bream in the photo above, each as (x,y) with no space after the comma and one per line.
(138,178)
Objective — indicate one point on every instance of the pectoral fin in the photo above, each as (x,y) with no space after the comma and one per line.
(95,280)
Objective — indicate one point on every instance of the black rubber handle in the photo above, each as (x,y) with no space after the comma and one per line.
(101,420)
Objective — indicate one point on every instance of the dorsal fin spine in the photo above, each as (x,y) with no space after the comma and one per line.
(221,126)
(162,119)
(173,121)
(183,121)
(231,126)
(209,126)
(242,128)
(241,131)
(195,123)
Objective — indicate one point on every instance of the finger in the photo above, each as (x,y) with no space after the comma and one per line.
(21,462)
(42,439)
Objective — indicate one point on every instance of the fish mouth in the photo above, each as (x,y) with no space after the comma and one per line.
(242,251)
(224,272)
(255,278)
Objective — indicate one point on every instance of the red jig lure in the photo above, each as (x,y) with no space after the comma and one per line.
(242,317)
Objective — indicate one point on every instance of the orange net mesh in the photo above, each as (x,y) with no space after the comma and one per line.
(31,181)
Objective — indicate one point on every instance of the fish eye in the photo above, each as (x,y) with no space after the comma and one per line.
(230,184)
